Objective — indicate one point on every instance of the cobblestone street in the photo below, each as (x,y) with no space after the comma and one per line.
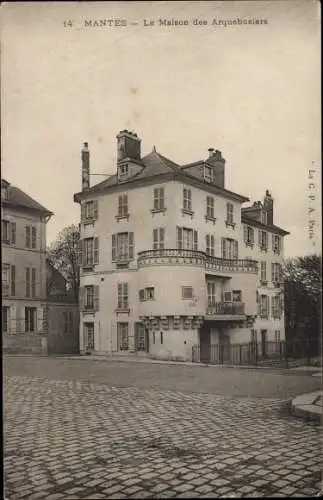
(72,439)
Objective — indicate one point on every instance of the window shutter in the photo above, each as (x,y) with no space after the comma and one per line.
(119,297)
(259,237)
(156,198)
(96,251)
(252,235)
(33,237)
(195,245)
(114,247)
(27,236)
(125,295)
(155,239)
(95,209)
(27,282)
(212,242)
(207,241)
(13,280)
(82,212)
(96,297)
(33,282)
(245,232)
(235,249)
(162,237)
(13,233)
(131,245)
(179,231)
(272,271)
(83,253)
(81,298)
(223,248)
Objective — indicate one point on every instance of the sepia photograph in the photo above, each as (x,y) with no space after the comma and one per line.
(161,249)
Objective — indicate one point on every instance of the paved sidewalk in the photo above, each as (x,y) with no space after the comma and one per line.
(308,406)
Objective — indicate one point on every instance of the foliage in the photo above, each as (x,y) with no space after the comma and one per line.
(63,254)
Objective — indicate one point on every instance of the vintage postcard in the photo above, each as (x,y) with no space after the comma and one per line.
(161,249)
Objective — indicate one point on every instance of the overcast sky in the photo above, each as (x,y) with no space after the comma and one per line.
(252,91)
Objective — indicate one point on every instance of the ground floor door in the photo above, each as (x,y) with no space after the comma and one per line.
(264,343)
(141,338)
(88,336)
(205,344)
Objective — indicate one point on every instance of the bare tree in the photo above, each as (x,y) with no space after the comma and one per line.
(63,254)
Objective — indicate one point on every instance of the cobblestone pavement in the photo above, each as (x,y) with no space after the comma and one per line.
(67,439)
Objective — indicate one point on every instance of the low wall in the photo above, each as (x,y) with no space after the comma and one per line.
(24,343)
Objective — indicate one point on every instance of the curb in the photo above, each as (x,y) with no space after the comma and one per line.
(306,406)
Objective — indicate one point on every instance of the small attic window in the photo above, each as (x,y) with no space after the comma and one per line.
(123,171)
(208,173)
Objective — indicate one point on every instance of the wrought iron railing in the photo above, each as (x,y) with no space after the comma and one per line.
(208,260)
(230,308)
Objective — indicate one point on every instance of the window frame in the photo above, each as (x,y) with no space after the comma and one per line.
(123,340)
(30,319)
(89,297)
(187,200)
(5,227)
(123,295)
(210,244)
(210,208)
(159,199)
(185,288)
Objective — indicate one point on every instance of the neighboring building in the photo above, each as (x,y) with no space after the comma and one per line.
(25,307)
(166,263)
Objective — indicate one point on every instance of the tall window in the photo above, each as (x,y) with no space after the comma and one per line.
(253,336)
(159,238)
(140,337)
(13,281)
(5,231)
(33,282)
(208,173)
(89,297)
(30,319)
(123,205)
(230,209)
(263,217)
(229,248)
(90,251)
(27,237)
(275,272)
(263,240)
(89,210)
(276,243)
(123,296)
(159,198)
(211,293)
(6,279)
(187,238)
(263,271)
(264,306)
(187,199)
(5,319)
(122,247)
(27,275)
(248,235)
(89,336)
(209,243)
(210,207)
(123,336)
(277,336)
(275,307)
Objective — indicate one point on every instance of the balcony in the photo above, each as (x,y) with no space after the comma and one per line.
(195,257)
(226,310)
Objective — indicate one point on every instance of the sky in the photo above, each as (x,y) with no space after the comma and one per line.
(249,90)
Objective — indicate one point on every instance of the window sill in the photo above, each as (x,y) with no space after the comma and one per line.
(89,310)
(263,283)
(122,217)
(210,218)
(158,210)
(276,284)
(88,267)
(87,222)
(249,244)
(230,224)
(122,310)
(263,249)
(186,211)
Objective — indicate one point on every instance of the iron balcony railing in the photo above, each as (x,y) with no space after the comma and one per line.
(230,308)
(210,262)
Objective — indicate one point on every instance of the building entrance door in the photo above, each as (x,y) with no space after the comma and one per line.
(264,343)
(205,344)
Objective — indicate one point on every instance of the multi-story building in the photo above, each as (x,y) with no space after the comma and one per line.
(27,307)
(170,258)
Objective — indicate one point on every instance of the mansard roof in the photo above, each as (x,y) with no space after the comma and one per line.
(156,166)
(18,198)
(266,227)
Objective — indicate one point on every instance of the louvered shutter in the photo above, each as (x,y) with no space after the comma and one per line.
(13,233)
(223,248)
(162,237)
(179,243)
(96,300)
(252,235)
(114,247)
(212,244)
(272,272)
(27,236)
(119,298)
(33,282)
(125,295)
(235,249)
(155,239)
(13,280)
(131,245)
(207,242)
(82,212)
(95,209)
(195,243)
(96,251)
(83,253)
(81,298)
(259,237)
(245,233)
(27,282)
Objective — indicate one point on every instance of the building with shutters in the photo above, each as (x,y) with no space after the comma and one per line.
(171,260)
(31,307)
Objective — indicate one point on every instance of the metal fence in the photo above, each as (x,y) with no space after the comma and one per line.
(269,353)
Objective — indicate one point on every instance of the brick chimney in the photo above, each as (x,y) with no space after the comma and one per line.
(128,145)
(269,207)
(85,166)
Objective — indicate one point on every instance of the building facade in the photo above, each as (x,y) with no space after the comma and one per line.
(27,307)
(166,261)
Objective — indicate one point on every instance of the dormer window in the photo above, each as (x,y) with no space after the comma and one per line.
(263,217)
(208,173)
(123,171)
